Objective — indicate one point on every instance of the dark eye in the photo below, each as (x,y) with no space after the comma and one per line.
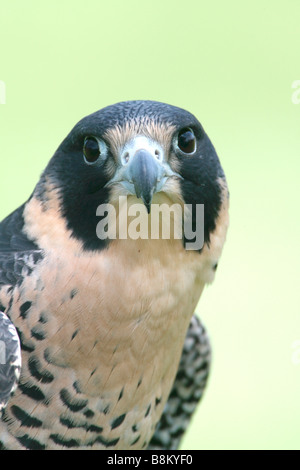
(91,149)
(186,140)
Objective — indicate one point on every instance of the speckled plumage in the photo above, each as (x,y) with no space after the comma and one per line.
(10,359)
(112,356)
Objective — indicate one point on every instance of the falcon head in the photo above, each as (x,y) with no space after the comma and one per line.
(145,150)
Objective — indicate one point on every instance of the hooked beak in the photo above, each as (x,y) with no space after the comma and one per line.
(143,171)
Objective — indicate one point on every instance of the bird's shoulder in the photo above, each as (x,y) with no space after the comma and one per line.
(18,254)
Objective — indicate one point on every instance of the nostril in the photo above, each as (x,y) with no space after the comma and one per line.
(157,154)
(126,157)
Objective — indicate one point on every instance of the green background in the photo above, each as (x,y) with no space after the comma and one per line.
(232,64)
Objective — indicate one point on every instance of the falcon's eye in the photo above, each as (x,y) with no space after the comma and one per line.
(186,140)
(91,149)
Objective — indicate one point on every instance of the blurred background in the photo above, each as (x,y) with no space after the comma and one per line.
(235,65)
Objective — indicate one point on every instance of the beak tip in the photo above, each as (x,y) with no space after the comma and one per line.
(147,204)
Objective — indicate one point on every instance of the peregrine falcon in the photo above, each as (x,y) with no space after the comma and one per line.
(99,344)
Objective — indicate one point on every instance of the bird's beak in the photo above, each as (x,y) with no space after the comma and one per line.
(145,173)
(144,170)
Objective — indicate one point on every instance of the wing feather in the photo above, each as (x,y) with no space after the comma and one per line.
(18,257)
